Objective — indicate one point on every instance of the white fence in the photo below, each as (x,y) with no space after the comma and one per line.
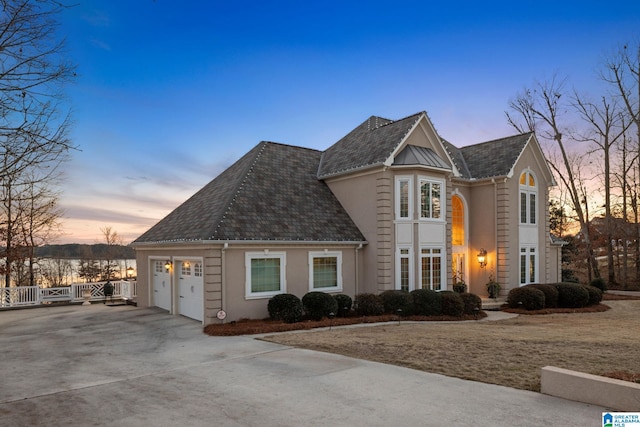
(35,295)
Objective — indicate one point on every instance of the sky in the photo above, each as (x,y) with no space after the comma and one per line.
(169,94)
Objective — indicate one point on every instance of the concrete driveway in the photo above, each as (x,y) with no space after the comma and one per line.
(128,366)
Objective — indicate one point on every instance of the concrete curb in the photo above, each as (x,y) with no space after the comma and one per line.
(587,388)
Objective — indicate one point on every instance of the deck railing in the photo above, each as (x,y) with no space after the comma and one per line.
(35,295)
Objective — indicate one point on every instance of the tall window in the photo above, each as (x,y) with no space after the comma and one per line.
(528,269)
(404,270)
(325,272)
(430,199)
(265,274)
(457,221)
(431,268)
(404,203)
(528,193)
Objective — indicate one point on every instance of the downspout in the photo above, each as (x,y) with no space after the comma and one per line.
(357,270)
(495,225)
(223,279)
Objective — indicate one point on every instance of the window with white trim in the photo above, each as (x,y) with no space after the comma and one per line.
(404,202)
(431,198)
(265,274)
(528,265)
(159,266)
(431,262)
(197,269)
(404,274)
(528,194)
(325,271)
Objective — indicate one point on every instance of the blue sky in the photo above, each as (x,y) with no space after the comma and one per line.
(171,93)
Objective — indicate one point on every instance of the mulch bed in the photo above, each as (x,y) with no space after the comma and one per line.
(624,376)
(265,326)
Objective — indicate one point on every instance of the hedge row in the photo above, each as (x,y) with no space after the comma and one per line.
(560,295)
(422,302)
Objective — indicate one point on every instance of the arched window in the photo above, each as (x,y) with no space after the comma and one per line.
(528,196)
(457,221)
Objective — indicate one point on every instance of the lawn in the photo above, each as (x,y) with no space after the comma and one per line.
(508,352)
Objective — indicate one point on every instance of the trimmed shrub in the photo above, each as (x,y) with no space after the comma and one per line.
(595,294)
(344,304)
(599,283)
(572,295)
(368,305)
(550,294)
(526,297)
(452,304)
(319,304)
(285,307)
(471,301)
(394,300)
(426,302)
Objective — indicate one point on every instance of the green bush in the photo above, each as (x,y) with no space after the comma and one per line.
(368,305)
(572,295)
(318,305)
(599,283)
(344,304)
(285,307)
(595,294)
(394,300)
(452,304)
(426,302)
(526,297)
(550,294)
(471,302)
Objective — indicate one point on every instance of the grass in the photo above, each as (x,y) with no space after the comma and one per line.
(509,352)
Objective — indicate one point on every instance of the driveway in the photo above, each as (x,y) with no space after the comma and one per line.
(127,366)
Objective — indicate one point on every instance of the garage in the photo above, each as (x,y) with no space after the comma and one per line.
(161,285)
(190,289)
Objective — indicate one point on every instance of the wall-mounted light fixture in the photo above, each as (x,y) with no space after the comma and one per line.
(187,264)
(129,272)
(167,266)
(482,258)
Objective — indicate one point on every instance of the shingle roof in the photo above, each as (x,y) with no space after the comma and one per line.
(488,159)
(369,144)
(271,193)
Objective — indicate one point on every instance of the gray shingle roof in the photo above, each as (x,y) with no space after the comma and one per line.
(369,144)
(271,193)
(488,159)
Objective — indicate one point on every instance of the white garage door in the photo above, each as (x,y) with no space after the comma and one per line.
(191,289)
(161,286)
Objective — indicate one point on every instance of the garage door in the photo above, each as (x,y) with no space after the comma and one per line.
(161,286)
(191,289)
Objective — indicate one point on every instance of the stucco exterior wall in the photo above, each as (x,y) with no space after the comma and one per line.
(368,200)
(238,306)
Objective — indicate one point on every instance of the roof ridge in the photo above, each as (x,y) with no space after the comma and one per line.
(497,139)
(234,195)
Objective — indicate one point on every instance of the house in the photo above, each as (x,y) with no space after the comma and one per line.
(391,205)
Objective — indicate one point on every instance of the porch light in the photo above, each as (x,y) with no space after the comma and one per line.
(167,266)
(129,272)
(482,258)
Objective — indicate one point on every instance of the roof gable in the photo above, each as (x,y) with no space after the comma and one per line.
(369,144)
(271,193)
(489,159)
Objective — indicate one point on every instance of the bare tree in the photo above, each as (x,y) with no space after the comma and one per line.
(34,125)
(622,71)
(112,239)
(605,127)
(540,110)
